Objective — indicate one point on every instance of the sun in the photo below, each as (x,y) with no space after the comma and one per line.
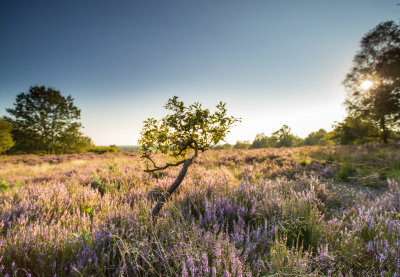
(366,84)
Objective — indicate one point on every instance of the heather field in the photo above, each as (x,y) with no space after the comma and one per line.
(307,211)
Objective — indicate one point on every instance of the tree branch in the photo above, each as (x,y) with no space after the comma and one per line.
(162,168)
(157,168)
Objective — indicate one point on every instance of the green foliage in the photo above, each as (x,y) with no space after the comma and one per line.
(242,144)
(354,131)
(98,184)
(318,138)
(74,142)
(102,149)
(3,186)
(129,148)
(280,138)
(6,141)
(225,146)
(263,141)
(305,162)
(46,121)
(284,138)
(377,61)
(116,147)
(85,237)
(175,133)
(113,167)
(346,171)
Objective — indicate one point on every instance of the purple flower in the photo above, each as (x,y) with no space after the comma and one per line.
(184,271)
(204,259)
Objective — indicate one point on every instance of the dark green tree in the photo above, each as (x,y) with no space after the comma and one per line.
(354,131)
(188,129)
(6,141)
(319,137)
(73,141)
(45,121)
(378,61)
(284,138)
(263,141)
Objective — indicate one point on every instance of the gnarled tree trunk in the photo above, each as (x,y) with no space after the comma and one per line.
(164,197)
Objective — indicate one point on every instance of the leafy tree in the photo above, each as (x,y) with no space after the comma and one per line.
(263,141)
(280,138)
(45,121)
(75,142)
(242,144)
(318,138)
(284,138)
(187,129)
(354,131)
(378,61)
(6,141)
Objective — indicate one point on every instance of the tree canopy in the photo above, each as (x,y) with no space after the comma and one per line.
(319,137)
(6,141)
(45,121)
(378,61)
(354,131)
(186,129)
(280,138)
(284,137)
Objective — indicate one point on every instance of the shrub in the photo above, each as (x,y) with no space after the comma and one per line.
(102,149)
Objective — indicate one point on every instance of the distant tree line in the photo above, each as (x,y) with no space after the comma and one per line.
(281,138)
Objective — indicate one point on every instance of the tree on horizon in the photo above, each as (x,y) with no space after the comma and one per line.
(46,122)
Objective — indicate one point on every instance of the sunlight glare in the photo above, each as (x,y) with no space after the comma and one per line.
(366,85)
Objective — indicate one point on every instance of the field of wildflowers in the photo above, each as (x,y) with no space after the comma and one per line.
(307,211)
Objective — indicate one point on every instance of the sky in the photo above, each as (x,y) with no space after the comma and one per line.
(272,62)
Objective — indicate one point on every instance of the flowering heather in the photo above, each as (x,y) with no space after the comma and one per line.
(279,212)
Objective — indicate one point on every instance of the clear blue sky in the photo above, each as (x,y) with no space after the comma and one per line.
(272,62)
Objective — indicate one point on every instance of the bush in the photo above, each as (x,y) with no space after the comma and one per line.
(102,149)
(346,171)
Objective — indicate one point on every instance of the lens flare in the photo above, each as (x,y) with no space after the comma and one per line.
(366,84)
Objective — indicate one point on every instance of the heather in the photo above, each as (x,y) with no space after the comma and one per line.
(259,212)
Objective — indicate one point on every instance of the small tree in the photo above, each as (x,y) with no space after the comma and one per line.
(44,121)
(187,129)
(6,141)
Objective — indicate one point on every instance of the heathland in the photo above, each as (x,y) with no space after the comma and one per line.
(305,211)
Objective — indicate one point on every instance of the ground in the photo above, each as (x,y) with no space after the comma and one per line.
(237,213)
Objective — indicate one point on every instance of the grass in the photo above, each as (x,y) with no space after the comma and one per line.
(260,212)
